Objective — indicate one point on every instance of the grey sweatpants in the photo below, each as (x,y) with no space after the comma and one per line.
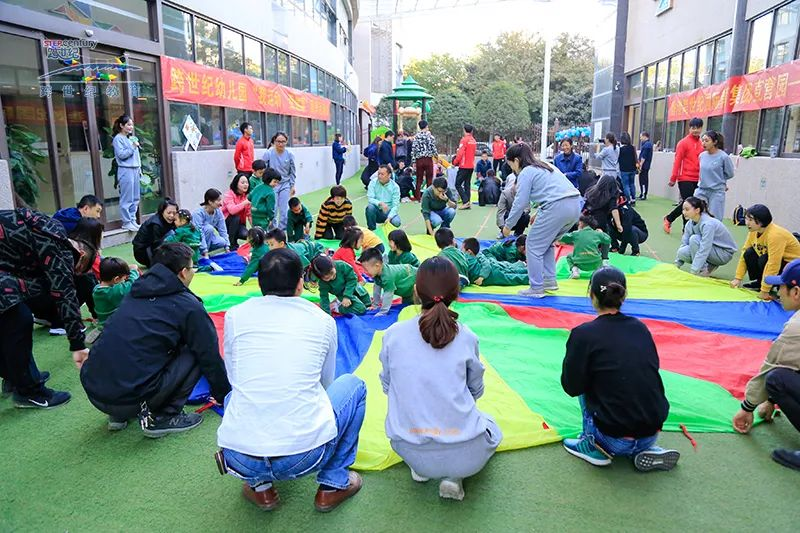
(715,200)
(552,221)
(717,256)
(456,460)
(282,206)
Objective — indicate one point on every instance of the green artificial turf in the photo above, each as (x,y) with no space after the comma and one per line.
(63,471)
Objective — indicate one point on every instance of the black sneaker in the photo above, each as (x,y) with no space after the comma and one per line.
(44,399)
(753,285)
(160,426)
(8,388)
(788,458)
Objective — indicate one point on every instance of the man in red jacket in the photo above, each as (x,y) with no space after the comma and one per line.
(498,152)
(245,150)
(685,169)
(465,161)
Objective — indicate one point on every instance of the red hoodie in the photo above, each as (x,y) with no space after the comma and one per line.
(687,160)
(498,149)
(465,157)
(244,154)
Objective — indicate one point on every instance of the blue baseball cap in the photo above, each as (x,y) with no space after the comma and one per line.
(789,277)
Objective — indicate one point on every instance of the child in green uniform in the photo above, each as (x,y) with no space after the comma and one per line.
(187,233)
(400,249)
(262,199)
(446,242)
(257,238)
(586,241)
(259,166)
(485,270)
(307,250)
(338,279)
(508,251)
(389,280)
(116,279)
(298,221)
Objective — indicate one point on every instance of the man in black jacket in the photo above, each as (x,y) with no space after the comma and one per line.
(386,152)
(154,349)
(634,231)
(36,259)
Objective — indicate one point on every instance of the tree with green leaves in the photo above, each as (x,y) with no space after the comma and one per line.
(438,72)
(449,112)
(502,107)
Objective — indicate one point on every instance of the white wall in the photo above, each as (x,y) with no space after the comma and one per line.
(756,7)
(6,189)
(195,172)
(759,180)
(652,37)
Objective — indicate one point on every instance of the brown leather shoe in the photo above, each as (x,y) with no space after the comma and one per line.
(266,500)
(328,500)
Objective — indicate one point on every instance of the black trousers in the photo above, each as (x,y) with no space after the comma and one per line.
(142,256)
(463,186)
(236,230)
(496,164)
(755,264)
(44,308)
(333,231)
(174,385)
(369,170)
(783,387)
(644,182)
(686,189)
(16,350)
(339,169)
(522,224)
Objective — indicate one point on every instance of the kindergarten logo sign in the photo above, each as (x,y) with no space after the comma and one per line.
(68,52)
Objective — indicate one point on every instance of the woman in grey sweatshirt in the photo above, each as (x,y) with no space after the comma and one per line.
(706,243)
(609,156)
(716,168)
(432,375)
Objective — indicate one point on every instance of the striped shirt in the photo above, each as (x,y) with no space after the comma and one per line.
(330,213)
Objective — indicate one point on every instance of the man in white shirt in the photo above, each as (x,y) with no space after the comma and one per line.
(286,415)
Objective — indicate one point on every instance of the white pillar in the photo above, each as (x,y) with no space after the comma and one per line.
(545,95)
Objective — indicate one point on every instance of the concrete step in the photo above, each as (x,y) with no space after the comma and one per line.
(116,237)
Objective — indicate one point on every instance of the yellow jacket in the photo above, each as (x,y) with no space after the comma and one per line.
(776,241)
(370,239)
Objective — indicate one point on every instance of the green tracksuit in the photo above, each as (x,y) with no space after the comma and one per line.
(504,251)
(262,200)
(295,224)
(394,280)
(405,258)
(108,298)
(307,250)
(458,258)
(189,235)
(586,253)
(256,254)
(496,273)
(344,285)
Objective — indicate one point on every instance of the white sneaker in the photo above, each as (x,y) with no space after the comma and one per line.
(532,293)
(575,273)
(130,227)
(57,331)
(451,489)
(605,262)
(416,477)
(550,285)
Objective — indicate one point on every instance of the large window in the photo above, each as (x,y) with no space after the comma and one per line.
(206,36)
(771,125)
(792,144)
(233,56)
(749,128)
(177,33)
(301,131)
(252,57)
(650,82)
(661,79)
(705,64)
(283,68)
(294,65)
(759,44)
(784,40)
(304,79)
(658,121)
(313,86)
(689,62)
(235,118)
(722,53)
(270,64)
(675,74)
(634,88)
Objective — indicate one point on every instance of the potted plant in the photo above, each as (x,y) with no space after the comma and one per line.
(23,159)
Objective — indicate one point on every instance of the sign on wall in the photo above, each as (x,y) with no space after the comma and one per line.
(662,6)
(191,132)
(774,87)
(189,82)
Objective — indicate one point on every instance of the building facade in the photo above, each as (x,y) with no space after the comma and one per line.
(733,63)
(180,68)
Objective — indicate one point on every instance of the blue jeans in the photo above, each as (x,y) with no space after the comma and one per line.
(332,460)
(376,215)
(613,445)
(443,217)
(629,184)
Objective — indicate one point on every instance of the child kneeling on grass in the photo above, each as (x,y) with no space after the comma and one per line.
(433,376)
(388,280)
(611,365)
(371,239)
(352,240)
(586,243)
(257,238)
(400,249)
(338,279)
(446,242)
(298,221)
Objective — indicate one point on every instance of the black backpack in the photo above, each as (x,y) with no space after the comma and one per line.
(738,215)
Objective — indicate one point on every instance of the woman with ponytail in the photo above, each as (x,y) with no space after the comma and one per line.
(432,375)
(706,244)
(716,168)
(612,367)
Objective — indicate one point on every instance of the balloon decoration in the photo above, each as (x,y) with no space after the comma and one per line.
(574,133)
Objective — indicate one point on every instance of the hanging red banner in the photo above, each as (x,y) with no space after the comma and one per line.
(184,81)
(774,87)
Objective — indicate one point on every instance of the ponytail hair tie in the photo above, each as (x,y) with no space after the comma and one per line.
(437,299)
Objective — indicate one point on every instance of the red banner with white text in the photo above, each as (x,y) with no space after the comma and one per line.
(184,81)
(774,87)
